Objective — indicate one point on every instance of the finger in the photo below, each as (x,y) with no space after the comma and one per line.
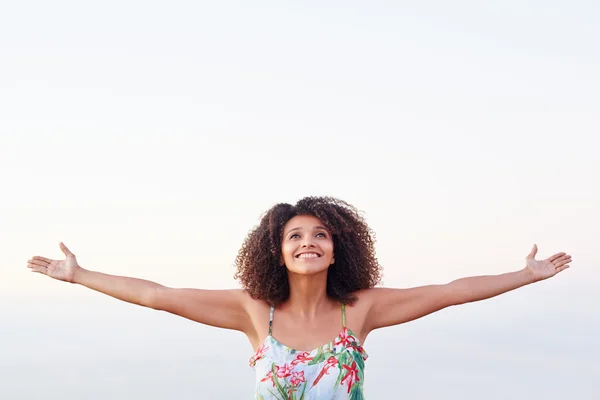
(533,252)
(554,257)
(42,259)
(65,250)
(566,257)
(38,262)
(562,268)
(31,265)
(39,272)
(37,268)
(561,263)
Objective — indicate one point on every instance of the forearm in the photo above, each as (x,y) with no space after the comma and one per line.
(131,290)
(475,288)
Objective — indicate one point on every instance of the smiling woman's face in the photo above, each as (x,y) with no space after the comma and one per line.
(307,246)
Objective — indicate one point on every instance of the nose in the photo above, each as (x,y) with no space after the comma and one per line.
(308,241)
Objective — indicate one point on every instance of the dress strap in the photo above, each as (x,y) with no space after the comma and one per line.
(343,315)
(271,320)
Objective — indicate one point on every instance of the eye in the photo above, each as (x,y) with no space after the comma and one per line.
(321,234)
(294,235)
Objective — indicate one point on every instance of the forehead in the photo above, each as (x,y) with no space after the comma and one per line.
(303,222)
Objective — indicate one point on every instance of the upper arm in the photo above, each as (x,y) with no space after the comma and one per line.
(220,308)
(396,306)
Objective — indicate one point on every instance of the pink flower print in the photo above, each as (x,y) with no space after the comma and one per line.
(283,372)
(260,352)
(302,358)
(344,338)
(297,378)
(351,376)
(269,377)
(331,362)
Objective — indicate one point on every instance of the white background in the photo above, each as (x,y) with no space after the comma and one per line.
(150,137)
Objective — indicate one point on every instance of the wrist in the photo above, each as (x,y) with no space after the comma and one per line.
(528,275)
(77,272)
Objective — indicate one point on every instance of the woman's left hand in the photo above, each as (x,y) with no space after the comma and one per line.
(544,269)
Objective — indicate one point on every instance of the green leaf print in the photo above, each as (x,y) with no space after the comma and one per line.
(342,360)
(356,392)
(277,384)
(360,362)
(319,357)
(303,390)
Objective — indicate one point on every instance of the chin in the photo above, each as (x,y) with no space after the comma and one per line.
(307,270)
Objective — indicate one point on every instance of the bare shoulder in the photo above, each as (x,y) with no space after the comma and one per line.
(357,313)
(368,295)
(259,314)
(256,308)
(367,299)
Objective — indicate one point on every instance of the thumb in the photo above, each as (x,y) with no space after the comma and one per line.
(533,252)
(65,250)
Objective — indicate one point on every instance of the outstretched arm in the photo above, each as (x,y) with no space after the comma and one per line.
(396,306)
(220,308)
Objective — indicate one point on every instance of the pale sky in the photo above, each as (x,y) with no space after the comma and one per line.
(150,137)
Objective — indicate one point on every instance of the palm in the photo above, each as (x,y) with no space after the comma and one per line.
(62,270)
(543,269)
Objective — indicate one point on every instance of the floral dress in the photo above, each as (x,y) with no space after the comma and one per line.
(332,371)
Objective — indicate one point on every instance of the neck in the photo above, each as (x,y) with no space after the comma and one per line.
(308,294)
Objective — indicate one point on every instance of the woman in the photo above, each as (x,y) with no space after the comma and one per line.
(308,274)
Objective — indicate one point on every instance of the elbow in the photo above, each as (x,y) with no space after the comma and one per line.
(454,296)
(153,298)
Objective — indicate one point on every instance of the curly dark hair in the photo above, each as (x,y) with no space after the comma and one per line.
(355,268)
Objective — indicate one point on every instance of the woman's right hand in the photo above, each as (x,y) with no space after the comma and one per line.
(63,270)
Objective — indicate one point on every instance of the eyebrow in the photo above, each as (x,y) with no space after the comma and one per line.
(318,227)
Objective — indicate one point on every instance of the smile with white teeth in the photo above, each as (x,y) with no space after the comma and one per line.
(308,255)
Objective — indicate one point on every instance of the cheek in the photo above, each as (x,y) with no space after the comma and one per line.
(287,251)
(329,246)
(328,252)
